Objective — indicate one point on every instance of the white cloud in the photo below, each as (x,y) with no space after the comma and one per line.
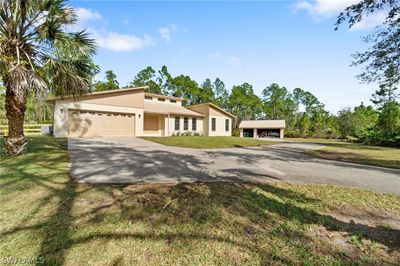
(324,9)
(85,15)
(321,9)
(371,21)
(122,42)
(167,32)
(114,41)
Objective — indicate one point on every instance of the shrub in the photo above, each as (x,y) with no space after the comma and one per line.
(352,139)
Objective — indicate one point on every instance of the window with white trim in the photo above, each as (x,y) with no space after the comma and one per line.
(176,122)
(194,123)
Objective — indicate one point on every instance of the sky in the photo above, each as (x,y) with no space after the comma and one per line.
(292,43)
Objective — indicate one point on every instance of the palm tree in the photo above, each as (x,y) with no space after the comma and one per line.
(39,54)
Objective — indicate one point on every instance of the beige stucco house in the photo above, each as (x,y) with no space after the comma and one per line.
(134,112)
(262,128)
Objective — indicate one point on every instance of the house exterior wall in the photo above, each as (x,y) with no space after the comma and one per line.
(202,109)
(211,112)
(134,102)
(61,115)
(171,130)
(155,98)
(132,99)
(219,126)
(214,112)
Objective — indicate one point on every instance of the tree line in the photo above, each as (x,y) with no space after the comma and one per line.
(64,67)
(304,113)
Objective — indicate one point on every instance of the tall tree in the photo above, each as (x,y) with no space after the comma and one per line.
(221,95)
(146,77)
(313,121)
(387,89)
(165,81)
(3,119)
(385,50)
(307,99)
(244,104)
(186,88)
(277,102)
(389,120)
(205,92)
(356,122)
(38,54)
(111,82)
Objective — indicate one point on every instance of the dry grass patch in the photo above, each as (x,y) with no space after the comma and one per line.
(355,153)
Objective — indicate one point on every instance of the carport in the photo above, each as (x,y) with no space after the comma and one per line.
(262,129)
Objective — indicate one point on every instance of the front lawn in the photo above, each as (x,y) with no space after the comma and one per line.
(47,217)
(355,153)
(202,142)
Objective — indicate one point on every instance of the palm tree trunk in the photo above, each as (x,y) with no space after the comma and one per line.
(16,143)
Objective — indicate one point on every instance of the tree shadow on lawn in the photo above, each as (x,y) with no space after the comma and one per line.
(198,205)
(244,210)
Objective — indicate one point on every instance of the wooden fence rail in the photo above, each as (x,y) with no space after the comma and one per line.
(29,129)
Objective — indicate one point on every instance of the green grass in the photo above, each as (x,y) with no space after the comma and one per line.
(356,153)
(202,142)
(46,216)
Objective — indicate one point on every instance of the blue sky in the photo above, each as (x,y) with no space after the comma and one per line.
(292,43)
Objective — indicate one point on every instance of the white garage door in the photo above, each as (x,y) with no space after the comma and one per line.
(88,124)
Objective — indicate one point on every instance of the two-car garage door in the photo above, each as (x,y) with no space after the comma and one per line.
(87,124)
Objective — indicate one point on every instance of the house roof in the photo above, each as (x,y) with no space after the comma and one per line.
(105,93)
(162,96)
(214,106)
(262,124)
(168,108)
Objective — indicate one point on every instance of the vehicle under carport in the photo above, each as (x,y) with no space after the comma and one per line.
(262,129)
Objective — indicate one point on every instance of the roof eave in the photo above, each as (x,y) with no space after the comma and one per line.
(59,98)
(215,106)
(173,113)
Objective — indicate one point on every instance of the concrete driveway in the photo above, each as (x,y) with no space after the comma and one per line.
(134,160)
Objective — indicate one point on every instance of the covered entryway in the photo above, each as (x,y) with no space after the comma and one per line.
(153,125)
(88,124)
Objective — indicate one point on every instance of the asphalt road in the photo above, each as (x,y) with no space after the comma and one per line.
(134,160)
